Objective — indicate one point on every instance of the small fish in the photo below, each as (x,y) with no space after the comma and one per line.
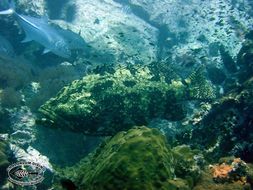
(126,9)
(38,29)
(6,49)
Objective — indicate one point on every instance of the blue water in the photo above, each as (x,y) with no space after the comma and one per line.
(202,47)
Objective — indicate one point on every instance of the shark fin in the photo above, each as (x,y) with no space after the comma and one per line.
(27,39)
(7,12)
(46,51)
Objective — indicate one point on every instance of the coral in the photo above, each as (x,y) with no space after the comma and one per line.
(235,170)
(230,123)
(105,104)
(206,182)
(137,159)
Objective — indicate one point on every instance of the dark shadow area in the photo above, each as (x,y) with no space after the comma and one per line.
(55,8)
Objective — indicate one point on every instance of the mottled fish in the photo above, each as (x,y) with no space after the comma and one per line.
(38,29)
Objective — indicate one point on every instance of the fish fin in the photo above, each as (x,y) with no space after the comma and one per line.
(7,12)
(10,10)
(27,39)
(46,51)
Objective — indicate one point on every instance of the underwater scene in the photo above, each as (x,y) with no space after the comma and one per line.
(126,95)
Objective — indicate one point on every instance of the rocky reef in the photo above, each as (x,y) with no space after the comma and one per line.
(229,118)
(139,158)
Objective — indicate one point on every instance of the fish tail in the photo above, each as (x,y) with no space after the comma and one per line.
(11,9)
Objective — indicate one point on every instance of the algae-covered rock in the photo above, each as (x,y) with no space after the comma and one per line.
(136,159)
(3,161)
(227,128)
(105,104)
(206,182)
(186,163)
(245,60)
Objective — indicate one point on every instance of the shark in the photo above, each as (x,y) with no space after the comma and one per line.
(39,30)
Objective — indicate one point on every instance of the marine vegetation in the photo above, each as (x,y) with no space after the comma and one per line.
(229,118)
(139,158)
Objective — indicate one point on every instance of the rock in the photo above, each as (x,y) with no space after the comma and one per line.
(216,75)
(105,104)
(113,35)
(186,163)
(4,163)
(206,182)
(230,123)
(245,60)
(32,7)
(137,159)
(230,171)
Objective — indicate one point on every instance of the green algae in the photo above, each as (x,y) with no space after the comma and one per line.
(137,159)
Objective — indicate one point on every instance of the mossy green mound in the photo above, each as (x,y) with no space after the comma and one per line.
(137,159)
(186,163)
(105,104)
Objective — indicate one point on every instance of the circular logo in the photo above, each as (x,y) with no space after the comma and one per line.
(25,173)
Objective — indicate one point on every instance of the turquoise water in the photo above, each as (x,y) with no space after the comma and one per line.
(126,94)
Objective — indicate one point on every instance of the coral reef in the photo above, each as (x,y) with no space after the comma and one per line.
(206,182)
(105,104)
(230,122)
(228,118)
(229,171)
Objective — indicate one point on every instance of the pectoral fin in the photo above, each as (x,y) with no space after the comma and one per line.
(27,39)
(46,51)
